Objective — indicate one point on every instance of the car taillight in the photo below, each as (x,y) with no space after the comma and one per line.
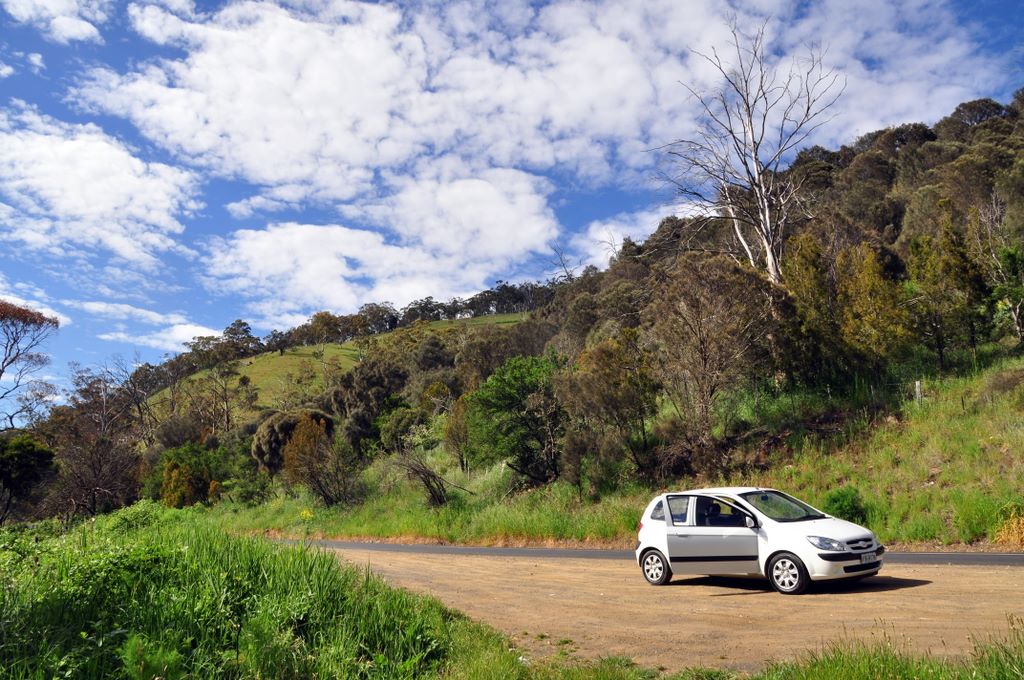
(639,526)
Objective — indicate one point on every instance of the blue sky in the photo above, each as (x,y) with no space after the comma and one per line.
(167,167)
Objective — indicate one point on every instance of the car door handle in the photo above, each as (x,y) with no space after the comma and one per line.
(681,535)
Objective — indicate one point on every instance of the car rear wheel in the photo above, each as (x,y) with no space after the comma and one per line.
(655,568)
(788,574)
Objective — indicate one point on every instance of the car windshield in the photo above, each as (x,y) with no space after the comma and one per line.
(780,507)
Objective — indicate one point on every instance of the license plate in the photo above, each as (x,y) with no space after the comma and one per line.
(868,557)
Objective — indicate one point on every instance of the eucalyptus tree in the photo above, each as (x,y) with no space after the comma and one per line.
(22,334)
(733,167)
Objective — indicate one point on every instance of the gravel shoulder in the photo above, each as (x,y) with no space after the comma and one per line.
(596,608)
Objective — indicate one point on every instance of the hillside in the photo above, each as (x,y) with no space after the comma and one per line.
(946,471)
(687,360)
(293,374)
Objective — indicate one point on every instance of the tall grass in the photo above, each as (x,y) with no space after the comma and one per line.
(175,598)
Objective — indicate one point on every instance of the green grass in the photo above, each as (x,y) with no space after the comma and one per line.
(396,508)
(154,593)
(941,471)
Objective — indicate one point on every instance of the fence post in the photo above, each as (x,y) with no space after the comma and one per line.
(917,392)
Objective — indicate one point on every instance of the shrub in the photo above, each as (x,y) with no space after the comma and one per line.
(1011,529)
(331,472)
(187,473)
(846,503)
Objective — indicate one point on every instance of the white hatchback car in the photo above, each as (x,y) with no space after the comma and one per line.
(751,531)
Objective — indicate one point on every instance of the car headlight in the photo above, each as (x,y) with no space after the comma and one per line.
(823,543)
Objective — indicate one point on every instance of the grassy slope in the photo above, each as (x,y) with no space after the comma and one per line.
(945,471)
(271,372)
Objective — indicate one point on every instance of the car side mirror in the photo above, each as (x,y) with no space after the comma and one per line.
(750,522)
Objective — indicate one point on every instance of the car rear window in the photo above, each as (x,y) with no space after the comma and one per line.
(678,506)
(658,512)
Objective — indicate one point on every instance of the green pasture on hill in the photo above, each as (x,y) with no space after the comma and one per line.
(272,373)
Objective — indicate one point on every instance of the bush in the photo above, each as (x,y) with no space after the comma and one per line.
(846,503)
(187,473)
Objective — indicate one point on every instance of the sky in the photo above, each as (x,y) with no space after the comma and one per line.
(169,166)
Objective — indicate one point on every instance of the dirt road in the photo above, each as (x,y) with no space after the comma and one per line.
(604,608)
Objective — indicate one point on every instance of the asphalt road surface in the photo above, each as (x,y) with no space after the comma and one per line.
(594,603)
(953,558)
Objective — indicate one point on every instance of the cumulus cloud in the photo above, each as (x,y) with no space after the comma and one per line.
(438,130)
(170,339)
(498,215)
(287,270)
(601,239)
(6,70)
(67,188)
(312,98)
(63,21)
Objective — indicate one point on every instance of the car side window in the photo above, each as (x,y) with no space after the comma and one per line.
(678,507)
(718,512)
(659,512)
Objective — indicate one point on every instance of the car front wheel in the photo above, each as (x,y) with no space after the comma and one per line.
(655,568)
(788,574)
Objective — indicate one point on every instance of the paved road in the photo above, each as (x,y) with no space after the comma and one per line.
(960,558)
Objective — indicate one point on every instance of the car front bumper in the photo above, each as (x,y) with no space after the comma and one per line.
(833,565)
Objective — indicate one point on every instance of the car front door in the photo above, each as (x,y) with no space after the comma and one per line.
(712,538)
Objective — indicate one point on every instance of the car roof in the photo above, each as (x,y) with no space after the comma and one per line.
(729,490)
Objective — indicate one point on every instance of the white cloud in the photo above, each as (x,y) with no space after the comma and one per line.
(126,312)
(497,216)
(602,238)
(288,270)
(65,188)
(431,128)
(312,99)
(170,339)
(63,21)
(6,70)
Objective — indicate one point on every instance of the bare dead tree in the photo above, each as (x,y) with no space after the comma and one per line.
(997,248)
(22,333)
(733,167)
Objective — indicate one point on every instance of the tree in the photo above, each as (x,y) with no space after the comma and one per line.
(24,462)
(949,295)
(276,430)
(873,319)
(733,167)
(330,472)
(22,333)
(612,385)
(515,417)
(1000,253)
(276,341)
(219,393)
(187,473)
(240,340)
(968,115)
(94,438)
(710,329)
